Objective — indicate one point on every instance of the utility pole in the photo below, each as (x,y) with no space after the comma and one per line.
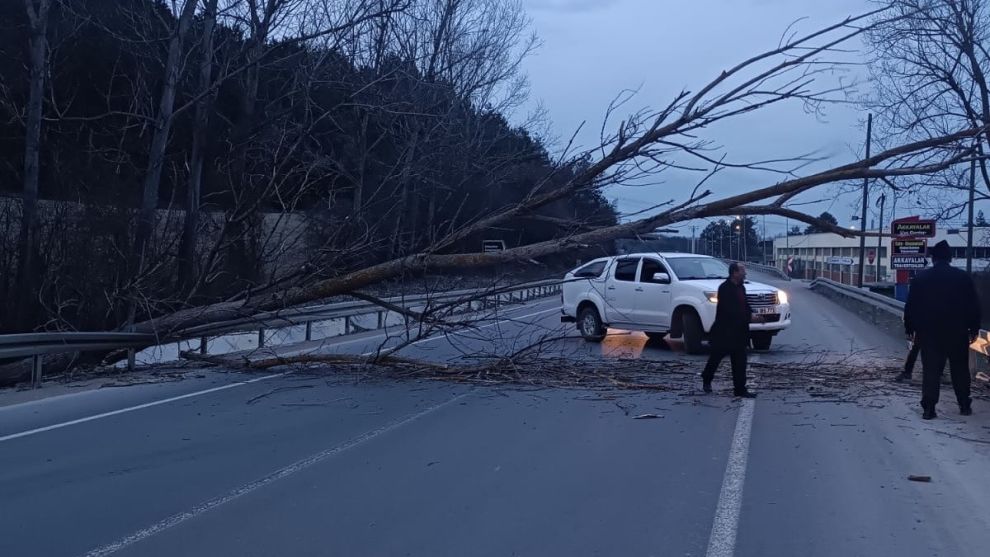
(743,238)
(866,195)
(721,241)
(763,243)
(969,233)
(692,240)
(882,200)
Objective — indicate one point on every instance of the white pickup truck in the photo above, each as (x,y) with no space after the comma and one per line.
(661,294)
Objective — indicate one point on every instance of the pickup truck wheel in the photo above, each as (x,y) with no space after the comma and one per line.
(762,341)
(590,325)
(691,332)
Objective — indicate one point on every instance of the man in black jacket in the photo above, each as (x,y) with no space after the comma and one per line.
(943,311)
(730,332)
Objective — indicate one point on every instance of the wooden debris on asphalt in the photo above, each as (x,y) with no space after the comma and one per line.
(821,379)
(925,479)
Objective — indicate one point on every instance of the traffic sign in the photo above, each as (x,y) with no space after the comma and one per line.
(917,228)
(840,260)
(908,262)
(911,246)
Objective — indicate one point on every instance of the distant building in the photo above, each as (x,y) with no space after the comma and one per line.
(831,256)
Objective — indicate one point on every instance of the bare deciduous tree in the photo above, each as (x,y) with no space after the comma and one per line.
(37,12)
(928,63)
(643,144)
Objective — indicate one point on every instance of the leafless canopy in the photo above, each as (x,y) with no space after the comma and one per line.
(653,140)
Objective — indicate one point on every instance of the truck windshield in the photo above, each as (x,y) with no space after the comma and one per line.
(697,268)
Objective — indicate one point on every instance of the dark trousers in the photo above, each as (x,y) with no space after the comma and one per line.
(934,353)
(912,357)
(738,358)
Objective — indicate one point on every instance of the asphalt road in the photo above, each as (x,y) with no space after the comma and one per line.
(293,464)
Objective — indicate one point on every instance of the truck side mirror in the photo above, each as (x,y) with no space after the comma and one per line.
(662,278)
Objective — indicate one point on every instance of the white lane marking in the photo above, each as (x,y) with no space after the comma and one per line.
(722,542)
(459,333)
(245,489)
(138,407)
(216,389)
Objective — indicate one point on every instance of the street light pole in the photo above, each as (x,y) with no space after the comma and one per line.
(743,239)
(866,195)
(763,243)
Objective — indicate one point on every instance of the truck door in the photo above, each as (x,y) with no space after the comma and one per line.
(652,306)
(620,291)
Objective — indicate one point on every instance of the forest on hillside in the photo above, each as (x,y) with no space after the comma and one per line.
(157,155)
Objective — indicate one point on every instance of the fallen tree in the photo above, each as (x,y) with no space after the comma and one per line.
(642,145)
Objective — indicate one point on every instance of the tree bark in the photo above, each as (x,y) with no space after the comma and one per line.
(166,326)
(163,129)
(37,11)
(187,247)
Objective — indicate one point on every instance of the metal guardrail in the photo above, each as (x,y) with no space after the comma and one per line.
(325,312)
(768,269)
(38,345)
(862,294)
(979,349)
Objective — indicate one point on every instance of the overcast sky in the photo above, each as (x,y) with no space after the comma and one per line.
(593,49)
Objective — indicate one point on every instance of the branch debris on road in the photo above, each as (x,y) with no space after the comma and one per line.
(255,399)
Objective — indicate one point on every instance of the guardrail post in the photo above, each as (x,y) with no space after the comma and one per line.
(202,345)
(261,338)
(130,359)
(36,371)
(347,324)
(309,331)
(381,319)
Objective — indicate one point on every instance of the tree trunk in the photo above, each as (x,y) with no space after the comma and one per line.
(163,128)
(240,261)
(187,247)
(733,205)
(358,207)
(37,11)
(406,199)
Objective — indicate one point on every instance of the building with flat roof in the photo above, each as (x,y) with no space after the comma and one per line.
(834,257)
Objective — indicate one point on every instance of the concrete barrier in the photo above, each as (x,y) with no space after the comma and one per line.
(888,314)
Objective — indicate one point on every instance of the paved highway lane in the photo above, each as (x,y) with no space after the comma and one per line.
(301,464)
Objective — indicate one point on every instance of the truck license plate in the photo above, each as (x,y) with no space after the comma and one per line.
(766,311)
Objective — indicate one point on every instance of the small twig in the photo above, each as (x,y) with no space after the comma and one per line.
(252,400)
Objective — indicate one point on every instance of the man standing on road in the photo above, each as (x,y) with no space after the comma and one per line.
(730,332)
(943,311)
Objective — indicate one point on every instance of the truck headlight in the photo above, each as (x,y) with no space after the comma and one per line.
(781,297)
(712,297)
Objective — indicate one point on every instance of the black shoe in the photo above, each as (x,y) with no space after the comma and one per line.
(707,386)
(966,409)
(745,394)
(928,414)
(903,377)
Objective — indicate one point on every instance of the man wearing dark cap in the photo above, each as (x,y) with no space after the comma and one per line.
(730,332)
(943,311)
